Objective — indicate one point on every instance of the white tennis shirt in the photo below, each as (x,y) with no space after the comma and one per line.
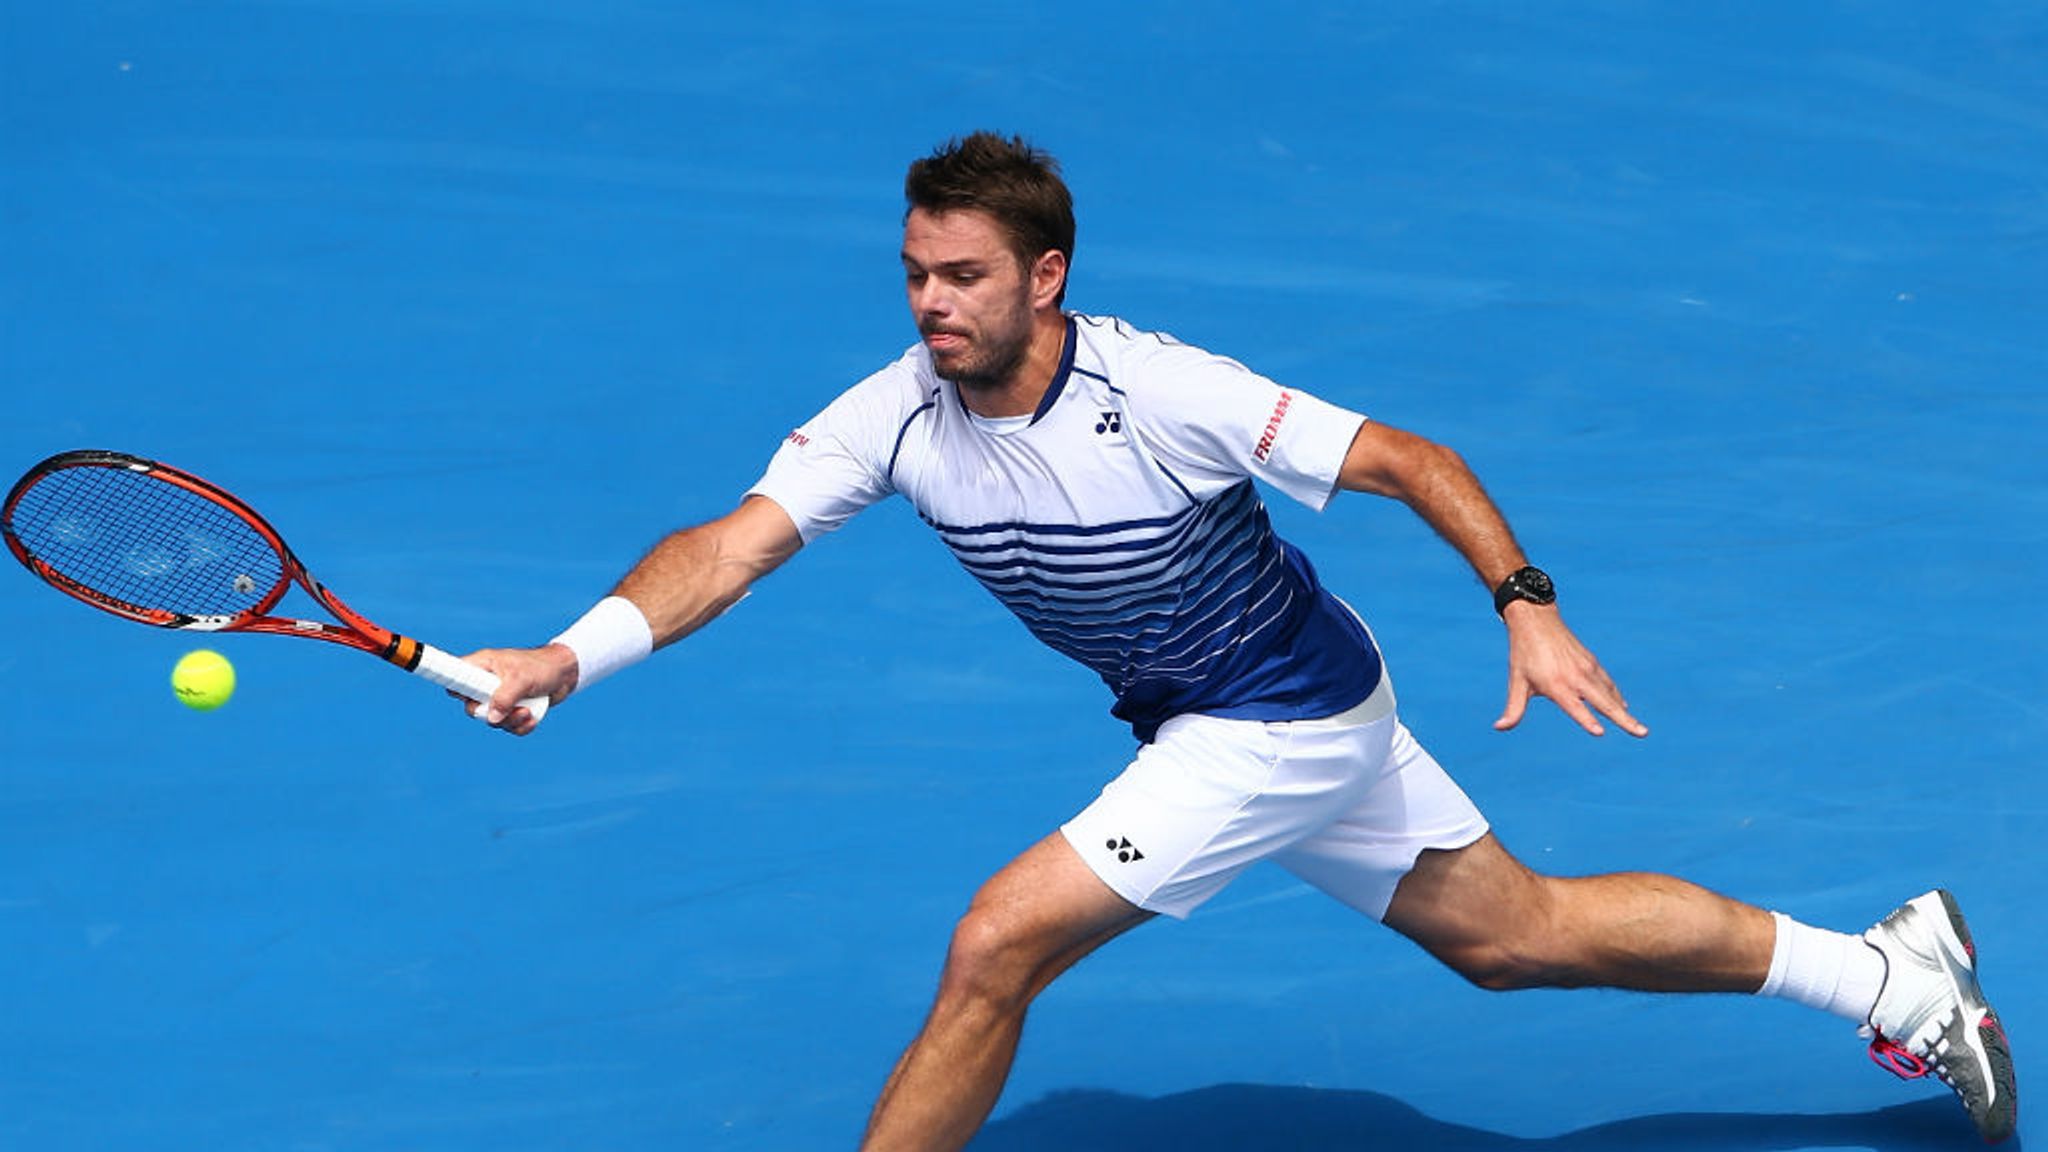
(1119,521)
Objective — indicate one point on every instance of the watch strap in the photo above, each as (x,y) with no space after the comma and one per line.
(1525,583)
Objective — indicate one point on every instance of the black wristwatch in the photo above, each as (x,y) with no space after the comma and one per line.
(1526,583)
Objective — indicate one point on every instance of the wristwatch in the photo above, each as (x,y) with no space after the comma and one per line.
(1525,583)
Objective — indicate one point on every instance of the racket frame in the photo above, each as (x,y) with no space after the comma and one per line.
(350,628)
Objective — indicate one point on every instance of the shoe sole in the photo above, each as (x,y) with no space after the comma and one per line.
(1958,926)
(2003,1117)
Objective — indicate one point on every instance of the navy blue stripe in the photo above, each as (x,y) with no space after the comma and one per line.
(1245,585)
(1036,604)
(920,410)
(1229,604)
(1082,530)
(1059,378)
(1168,473)
(1217,637)
(1163,537)
(1239,492)
(1156,461)
(1233,574)
(1027,552)
(1195,641)
(1235,505)
(1141,544)
(1031,563)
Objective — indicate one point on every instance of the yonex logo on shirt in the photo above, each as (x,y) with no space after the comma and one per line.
(1272,431)
(1152,560)
(1126,853)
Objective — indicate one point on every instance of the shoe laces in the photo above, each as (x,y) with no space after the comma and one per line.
(1900,1061)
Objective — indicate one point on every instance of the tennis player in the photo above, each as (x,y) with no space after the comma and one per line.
(1103,482)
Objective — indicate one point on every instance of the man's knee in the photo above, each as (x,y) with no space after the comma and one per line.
(1488,917)
(1030,922)
(1504,964)
(990,961)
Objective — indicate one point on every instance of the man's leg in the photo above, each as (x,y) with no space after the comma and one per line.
(1503,926)
(1033,920)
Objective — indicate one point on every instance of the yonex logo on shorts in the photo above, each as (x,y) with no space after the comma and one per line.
(1125,851)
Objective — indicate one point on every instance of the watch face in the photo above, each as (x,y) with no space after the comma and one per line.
(1527,583)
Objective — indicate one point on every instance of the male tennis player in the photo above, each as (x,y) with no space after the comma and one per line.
(1098,479)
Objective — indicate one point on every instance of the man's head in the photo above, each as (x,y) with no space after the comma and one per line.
(1019,186)
(986,240)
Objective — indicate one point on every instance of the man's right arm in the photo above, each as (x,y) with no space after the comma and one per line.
(694,575)
(682,584)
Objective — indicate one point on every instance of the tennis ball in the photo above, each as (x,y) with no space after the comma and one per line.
(203,680)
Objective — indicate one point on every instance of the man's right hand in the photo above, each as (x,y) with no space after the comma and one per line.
(523,673)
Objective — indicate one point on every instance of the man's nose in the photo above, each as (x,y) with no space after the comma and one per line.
(931,299)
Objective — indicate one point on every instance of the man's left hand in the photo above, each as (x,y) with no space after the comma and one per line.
(1545,659)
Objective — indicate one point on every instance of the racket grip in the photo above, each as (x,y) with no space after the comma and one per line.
(460,676)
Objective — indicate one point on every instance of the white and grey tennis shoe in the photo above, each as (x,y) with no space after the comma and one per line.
(1931,1015)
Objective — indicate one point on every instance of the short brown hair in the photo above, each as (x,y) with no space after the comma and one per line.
(1016,183)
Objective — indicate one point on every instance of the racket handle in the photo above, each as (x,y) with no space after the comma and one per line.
(460,676)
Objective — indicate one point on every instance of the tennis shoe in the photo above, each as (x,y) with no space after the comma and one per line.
(1931,1016)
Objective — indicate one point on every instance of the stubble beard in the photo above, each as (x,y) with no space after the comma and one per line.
(989,364)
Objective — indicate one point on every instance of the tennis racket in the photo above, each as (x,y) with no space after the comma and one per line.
(160,546)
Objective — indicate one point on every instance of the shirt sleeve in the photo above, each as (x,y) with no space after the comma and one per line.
(837,463)
(1216,420)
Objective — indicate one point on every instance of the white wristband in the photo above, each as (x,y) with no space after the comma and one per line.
(611,636)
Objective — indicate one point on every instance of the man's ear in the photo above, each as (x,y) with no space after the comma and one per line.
(1048,278)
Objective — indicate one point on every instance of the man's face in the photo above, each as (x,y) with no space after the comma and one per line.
(969,294)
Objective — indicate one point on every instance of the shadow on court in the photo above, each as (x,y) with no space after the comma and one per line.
(1237,1117)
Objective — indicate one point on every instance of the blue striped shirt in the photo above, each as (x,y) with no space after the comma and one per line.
(1120,522)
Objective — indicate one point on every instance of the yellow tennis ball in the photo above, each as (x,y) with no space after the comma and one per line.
(203,680)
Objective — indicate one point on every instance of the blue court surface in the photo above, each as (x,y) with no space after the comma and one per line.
(1738,309)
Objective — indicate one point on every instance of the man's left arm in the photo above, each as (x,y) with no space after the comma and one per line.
(1544,657)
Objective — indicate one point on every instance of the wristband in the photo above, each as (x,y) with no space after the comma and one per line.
(611,636)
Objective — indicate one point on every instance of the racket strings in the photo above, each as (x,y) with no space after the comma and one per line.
(146,542)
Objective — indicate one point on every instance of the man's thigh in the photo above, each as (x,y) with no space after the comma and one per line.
(1414,811)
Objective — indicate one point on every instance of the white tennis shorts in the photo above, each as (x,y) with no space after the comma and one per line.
(1346,803)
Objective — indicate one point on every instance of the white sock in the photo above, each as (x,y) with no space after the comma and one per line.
(1831,971)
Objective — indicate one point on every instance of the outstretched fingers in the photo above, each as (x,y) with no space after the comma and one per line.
(1586,699)
(1545,659)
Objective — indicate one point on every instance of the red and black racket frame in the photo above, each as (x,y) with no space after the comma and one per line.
(354,631)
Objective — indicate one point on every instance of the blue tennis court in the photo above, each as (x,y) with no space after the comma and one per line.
(1737,309)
